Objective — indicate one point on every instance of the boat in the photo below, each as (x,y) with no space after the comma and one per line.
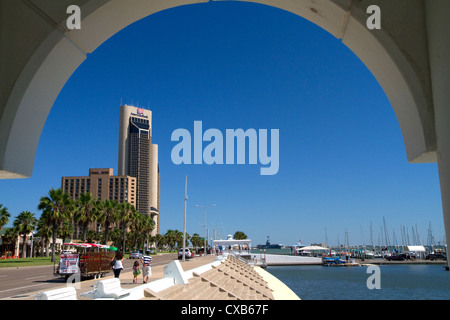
(268,245)
(311,251)
(337,262)
(330,261)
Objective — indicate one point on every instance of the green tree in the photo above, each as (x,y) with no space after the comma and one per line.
(92,236)
(197,241)
(127,215)
(159,241)
(174,239)
(171,238)
(56,208)
(147,227)
(239,235)
(109,215)
(66,230)
(4,216)
(45,232)
(115,236)
(25,223)
(135,233)
(10,236)
(86,212)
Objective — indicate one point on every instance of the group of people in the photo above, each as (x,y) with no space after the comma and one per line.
(146,261)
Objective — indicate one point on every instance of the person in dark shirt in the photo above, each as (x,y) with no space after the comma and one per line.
(146,269)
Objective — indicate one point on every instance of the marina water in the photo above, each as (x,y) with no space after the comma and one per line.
(398,282)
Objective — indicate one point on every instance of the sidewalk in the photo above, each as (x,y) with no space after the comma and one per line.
(126,276)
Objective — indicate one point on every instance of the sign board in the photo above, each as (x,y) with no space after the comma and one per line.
(68,264)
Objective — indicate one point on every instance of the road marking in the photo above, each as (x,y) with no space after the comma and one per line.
(33,285)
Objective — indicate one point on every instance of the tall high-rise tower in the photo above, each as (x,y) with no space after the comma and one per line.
(138,158)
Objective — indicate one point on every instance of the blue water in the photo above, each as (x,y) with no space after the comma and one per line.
(398,282)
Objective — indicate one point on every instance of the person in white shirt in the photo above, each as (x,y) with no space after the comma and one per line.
(118,265)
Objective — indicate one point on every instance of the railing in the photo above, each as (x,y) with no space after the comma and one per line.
(250,259)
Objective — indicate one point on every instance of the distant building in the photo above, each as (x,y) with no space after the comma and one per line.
(138,158)
(102,184)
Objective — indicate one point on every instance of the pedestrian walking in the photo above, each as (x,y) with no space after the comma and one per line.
(118,264)
(146,269)
(136,271)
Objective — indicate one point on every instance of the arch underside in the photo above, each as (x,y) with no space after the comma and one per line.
(34,70)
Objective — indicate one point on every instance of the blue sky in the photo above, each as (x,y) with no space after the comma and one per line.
(235,65)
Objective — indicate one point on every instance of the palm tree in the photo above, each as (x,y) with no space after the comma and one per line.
(108,216)
(66,229)
(92,236)
(56,208)
(25,223)
(115,236)
(86,211)
(174,238)
(159,241)
(196,240)
(4,216)
(127,214)
(135,230)
(45,232)
(10,236)
(147,227)
(179,238)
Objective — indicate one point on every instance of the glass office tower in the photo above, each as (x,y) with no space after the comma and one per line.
(138,158)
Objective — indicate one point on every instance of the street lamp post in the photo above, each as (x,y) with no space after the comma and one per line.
(204,208)
(184,224)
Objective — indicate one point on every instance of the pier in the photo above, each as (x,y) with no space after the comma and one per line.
(384,261)
(283,260)
(266,260)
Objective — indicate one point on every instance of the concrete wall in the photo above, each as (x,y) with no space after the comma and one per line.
(279,260)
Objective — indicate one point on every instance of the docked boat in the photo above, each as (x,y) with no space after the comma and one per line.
(312,251)
(268,245)
(338,262)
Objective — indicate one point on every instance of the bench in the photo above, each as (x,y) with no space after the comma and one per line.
(67,293)
(109,288)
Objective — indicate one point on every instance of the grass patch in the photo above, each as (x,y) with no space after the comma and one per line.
(26,262)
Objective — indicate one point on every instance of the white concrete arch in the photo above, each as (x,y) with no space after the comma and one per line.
(33,72)
(409,56)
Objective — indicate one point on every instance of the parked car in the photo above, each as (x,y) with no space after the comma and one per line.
(188,254)
(135,255)
(395,258)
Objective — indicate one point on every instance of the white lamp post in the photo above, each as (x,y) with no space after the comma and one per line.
(204,208)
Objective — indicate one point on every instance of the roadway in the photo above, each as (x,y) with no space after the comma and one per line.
(19,283)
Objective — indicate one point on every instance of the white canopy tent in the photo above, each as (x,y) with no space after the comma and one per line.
(232,244)
(415,248)
(419,251)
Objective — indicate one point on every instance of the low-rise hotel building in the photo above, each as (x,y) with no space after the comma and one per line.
(102,184)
